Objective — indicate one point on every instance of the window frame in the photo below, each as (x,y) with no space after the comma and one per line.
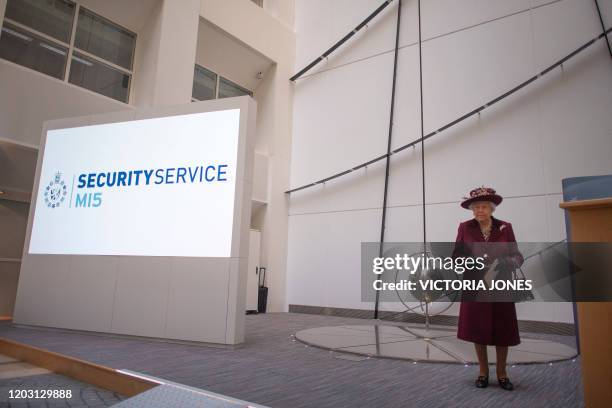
(233,83)
(71,48)
(194,99)
(35,33)
(109,22)
(217,82)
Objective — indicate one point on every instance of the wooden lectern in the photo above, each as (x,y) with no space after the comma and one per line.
(591,221)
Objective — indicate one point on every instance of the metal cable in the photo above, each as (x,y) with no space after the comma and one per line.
(603,27)
(389,138)
(462,118)
(422,128)
(344,39)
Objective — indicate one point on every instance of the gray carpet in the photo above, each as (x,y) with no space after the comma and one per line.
(273,370)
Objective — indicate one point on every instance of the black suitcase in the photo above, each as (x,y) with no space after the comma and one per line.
(262,295)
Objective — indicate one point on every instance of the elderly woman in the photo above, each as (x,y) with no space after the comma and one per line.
(488,323)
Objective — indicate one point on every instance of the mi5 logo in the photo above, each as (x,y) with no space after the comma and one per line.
(88,200)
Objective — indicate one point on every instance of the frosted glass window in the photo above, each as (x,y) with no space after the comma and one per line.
(101,78)
(204,84)
(106,40)
(228,89)
(29,50)
(51,17)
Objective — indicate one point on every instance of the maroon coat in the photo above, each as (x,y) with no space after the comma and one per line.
(491,323)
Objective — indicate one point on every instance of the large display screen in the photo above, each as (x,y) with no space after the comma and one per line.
(153,187)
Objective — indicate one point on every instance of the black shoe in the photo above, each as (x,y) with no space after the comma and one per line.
(482,381)
(505,383)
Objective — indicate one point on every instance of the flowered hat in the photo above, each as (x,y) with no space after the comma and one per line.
(481,194)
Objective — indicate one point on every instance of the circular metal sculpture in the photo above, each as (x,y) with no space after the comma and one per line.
(413,343)
(424,299)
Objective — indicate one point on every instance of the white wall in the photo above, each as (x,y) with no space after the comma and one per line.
(473,51)
(283,10)
(165,54)
(17,164)
(177,50)
(13,219)
(28,98)
(145,59)
(262,32)
(229,57)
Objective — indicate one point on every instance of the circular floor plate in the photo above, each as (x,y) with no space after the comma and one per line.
(415,343)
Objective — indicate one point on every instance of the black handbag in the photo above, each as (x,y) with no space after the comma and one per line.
(521,295)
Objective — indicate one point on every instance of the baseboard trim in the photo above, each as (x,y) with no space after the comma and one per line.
(531,326)
(127,336)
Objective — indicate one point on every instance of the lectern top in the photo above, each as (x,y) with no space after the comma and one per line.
(587,204)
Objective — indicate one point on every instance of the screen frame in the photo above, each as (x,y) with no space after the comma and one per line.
(108,250)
